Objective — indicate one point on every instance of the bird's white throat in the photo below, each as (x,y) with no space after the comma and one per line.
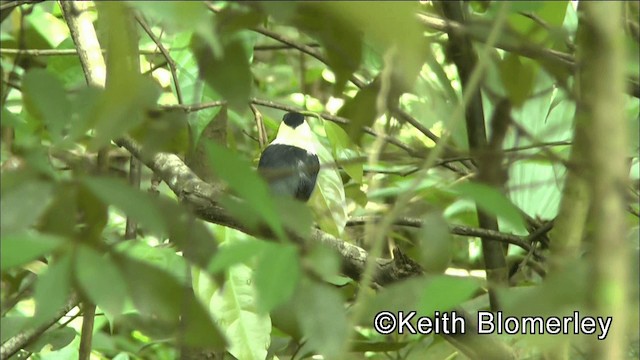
(301,137)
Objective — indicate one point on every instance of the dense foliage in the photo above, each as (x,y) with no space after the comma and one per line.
(454,177)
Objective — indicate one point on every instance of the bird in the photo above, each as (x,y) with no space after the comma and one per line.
(290,163)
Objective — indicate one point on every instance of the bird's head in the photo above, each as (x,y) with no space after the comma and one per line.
(295,131)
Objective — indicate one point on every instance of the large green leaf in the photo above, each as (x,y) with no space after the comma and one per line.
(20,248)
(101,280)
(442,293)
(276,275)
(321,313)
(159,295)
(46,100)
(328,201)
(140,206)
(227,71)
(235,307)
(492,201)
(174,15)
(22,206)
(53,288)
(238,175)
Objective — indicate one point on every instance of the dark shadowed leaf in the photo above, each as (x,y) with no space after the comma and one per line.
(159,295)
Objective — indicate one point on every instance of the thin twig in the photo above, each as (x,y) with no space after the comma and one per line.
(165,54)
(59,52)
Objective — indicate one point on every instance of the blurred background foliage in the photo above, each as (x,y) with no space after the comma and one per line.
(180,283)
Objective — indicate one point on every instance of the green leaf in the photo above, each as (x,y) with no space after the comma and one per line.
(20,248)
(22,206)
(276,275)
(227,72)
(235,253)
(46,100)
(245,182)
(140,206)
(361,110)
(492,201)
(10,326)
(248,330)
(101,280)
(435,243)
(442,293)
(53,288)
(342,149)
(159,295)
(176,16)
(518,75)
(328,201)
(321,314)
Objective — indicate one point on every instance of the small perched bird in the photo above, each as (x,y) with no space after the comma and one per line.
(290,163)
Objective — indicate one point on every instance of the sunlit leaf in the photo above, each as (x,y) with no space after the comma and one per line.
(236,310)
(328,201)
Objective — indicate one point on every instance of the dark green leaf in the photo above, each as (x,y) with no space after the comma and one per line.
(159,295)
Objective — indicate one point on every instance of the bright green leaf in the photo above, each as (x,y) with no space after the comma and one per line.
(235,308)
(20,248)
(442,293)
(492,201)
